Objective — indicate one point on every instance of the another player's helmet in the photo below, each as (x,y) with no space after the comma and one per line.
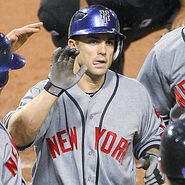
(8,60)
(97,19)
(173,150)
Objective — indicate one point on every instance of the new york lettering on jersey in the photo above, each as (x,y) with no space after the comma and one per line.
(12,155)
(12,162)
(61,142)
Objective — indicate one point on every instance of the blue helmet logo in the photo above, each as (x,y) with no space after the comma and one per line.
(104,14)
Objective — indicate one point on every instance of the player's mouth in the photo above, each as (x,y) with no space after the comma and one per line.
(99,63)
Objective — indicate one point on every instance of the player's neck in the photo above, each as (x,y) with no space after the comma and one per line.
(90,85)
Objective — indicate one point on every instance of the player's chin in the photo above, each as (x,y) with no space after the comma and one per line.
(96,72)
(100,70)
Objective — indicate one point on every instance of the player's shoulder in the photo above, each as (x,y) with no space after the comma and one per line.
(171,46)
(130,84)
(128,81)
(39,86)
(132,89)
(170,40)
(33,92)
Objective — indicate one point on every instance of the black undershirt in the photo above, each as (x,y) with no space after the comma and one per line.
(92,94)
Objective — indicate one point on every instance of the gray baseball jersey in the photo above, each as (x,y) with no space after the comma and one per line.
(163,74)
(93,140)
(10,167)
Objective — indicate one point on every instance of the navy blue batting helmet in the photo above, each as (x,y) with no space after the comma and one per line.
(8,60)
(173,150)
(96,19)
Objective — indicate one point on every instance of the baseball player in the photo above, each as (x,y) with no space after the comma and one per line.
(10,167)
(87,123)
(172,152)
(163,74)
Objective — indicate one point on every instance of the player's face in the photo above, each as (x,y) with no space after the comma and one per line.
(96,52)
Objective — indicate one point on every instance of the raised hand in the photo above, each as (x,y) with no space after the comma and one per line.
(19,36)
(61,74)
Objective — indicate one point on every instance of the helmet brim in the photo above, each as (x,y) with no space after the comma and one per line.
(100,30)
(16,62)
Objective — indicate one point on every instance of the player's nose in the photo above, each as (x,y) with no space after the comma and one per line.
(102,48)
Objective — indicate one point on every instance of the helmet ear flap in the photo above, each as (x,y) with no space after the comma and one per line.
(118,47)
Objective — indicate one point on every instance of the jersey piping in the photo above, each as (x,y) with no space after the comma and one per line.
(183,36)
(83,129)
(101,123)
(83,133)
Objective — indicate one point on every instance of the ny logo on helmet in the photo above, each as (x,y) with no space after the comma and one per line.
(104,14)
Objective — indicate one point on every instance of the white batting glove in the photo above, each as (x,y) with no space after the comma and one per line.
(153,176)
(61,70)
(61,76)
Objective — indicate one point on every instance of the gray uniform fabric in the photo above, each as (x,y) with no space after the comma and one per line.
(10,166)
(163,74)
(67,143)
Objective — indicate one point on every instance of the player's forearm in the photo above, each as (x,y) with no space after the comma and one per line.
(25,124)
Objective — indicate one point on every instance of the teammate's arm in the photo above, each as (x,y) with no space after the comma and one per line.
(149,143)
(150,163)
(26,122)
(19,36)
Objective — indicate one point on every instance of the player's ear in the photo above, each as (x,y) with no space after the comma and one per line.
(72,43)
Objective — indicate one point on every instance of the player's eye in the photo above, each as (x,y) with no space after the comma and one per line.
(110,42)
(92,41)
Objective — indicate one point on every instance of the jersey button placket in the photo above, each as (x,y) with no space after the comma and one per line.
(91,179)
(91,117)
(90,153)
